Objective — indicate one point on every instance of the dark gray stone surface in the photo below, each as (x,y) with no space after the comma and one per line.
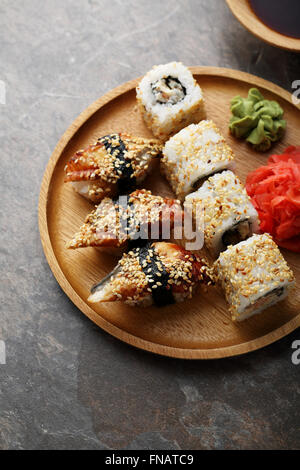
(66,383)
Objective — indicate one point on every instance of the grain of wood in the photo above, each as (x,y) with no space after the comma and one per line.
(201,327)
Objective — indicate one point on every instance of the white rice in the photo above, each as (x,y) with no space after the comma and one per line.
(195,152)
(249,271)
(225,203)
(166,118)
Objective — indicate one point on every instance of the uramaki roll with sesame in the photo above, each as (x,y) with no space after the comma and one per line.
(229,216)
(115,164)
(254,276)
(169,99)
(127,221)
(192,155)
(159,273)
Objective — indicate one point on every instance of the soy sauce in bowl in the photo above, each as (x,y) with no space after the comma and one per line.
(282,16)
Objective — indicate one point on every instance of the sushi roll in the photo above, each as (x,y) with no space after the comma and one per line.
(192,155)
(127,221)
(114,165)
(169,99)
(254,276)
(159,273)
(229,216)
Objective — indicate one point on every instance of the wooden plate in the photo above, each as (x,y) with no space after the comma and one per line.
(200,327)
(246,16)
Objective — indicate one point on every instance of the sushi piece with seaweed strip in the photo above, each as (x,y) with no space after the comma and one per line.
(193,154)
(127,221)
(114,165)
(159,273)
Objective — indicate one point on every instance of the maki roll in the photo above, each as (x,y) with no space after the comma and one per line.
(169,99)
(158,273)
(127,221)
(229,216)
(114,165)
(192,155)
(254,276)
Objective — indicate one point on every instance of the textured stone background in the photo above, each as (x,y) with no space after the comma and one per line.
(67,384)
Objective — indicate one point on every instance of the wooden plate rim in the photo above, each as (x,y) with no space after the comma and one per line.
(213,353)
(253,24)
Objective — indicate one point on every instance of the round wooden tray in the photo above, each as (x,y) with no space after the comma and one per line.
(199,328)
(246,16)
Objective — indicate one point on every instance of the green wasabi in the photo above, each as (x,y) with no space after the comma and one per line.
(257,120)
